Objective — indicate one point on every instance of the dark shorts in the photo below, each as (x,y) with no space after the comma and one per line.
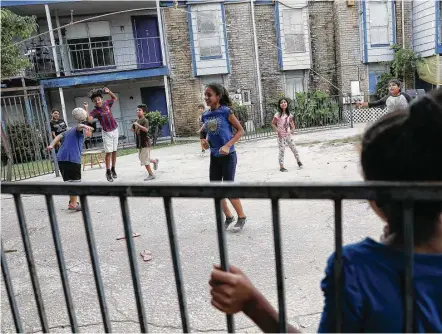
(203,135)
(70,171)
(223,168)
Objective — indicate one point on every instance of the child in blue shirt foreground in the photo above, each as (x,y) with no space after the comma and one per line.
(404,145)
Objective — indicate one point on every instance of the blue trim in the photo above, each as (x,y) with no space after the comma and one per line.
(172,3)
(226,40)
(438,42)
(393,20)
(278,36)
(364,26)
(211,57)
(103,77)
(192,44)
(379,45)
(33,2)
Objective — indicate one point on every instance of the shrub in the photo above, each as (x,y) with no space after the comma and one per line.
(382,85)
(156,123)
(312,109)
(241,113)
(26,143)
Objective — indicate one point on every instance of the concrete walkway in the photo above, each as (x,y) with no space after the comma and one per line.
(307,228)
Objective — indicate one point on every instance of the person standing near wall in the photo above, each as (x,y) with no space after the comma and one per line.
(103,113)
(58,126)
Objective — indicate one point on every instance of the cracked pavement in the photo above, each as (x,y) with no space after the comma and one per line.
(307,234)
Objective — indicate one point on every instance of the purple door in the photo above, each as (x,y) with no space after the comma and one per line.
(147,41)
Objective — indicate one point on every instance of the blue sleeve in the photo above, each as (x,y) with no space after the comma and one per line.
(352,300)
(227,112)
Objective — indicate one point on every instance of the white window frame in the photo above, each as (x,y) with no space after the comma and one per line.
(377,27)
(294,34)
(298,79)
(93,47)
(209,40)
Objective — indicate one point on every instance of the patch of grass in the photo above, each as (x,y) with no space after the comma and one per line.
(28,169)
(342,141)
(133,150)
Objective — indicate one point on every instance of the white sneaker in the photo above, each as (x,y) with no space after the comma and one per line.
(150,178)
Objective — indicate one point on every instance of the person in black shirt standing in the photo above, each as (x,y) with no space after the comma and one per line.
(58,126)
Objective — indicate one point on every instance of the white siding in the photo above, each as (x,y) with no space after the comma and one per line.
(297,60)
(125,90)
(385,53)
(424,27)
(208,66)
(123,39)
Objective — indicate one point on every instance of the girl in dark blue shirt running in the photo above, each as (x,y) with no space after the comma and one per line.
(404,145)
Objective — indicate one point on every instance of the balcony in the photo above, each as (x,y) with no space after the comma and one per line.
(94,55)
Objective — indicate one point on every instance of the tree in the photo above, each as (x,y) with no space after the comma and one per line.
(156,123)
(14,28)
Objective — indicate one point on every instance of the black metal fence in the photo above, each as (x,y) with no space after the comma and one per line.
(25,123)
(309,112)
(405,193)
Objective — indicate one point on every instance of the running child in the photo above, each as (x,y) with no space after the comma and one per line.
(281,123)
(141,128)
(203,134)
(103,113)
(219,122)
(69,156)
(402,146)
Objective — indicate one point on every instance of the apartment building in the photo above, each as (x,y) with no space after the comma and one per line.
(164,53)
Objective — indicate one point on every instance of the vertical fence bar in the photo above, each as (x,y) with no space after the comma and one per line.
(223,253)
(61,263)
(279,266)
(133,264)
(48,128)
(409,246)
(176,263)
(10,292)
(339,279)
(31,264)
(95,263)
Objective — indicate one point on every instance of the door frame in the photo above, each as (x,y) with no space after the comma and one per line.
(134,33)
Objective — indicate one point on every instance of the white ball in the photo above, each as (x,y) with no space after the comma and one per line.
(79,114)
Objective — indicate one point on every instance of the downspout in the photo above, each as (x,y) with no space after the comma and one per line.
(258,70)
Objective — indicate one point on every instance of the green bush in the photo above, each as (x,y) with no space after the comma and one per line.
(241,113)
(311,109)
(382,85)
(156,123)
(26,143)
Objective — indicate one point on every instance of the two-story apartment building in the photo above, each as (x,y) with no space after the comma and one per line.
(164,53)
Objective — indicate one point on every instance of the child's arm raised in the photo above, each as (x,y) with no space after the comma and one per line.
(112,95)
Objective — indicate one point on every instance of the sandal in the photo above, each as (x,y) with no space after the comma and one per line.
(74,207)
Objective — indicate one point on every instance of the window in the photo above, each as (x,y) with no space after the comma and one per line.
(90,46)
(379,23)
(209,33)
(294,38)
(294,83)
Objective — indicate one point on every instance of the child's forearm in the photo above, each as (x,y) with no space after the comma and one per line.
(112,95)
(239,133)
(56,140)
(143,128)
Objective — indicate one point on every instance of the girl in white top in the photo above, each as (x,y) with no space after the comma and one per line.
(281,123)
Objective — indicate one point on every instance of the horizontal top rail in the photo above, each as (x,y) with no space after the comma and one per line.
(351,190)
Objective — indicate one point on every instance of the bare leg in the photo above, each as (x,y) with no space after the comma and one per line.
(114,159)
(73,200)
(149,169)
(226,209)
(108,159)
(236,202)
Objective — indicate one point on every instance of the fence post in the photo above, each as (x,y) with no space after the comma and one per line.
(351,112)
(48,129)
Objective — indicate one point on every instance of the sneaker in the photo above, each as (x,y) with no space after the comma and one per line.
(203,151)
(114,173)
(228,221)
(283,169)
(239,224)
(76,207)
(300,165)
(109,176)
(155,164)
(150,178)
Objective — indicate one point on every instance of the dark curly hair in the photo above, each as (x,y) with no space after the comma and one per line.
(95,93)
